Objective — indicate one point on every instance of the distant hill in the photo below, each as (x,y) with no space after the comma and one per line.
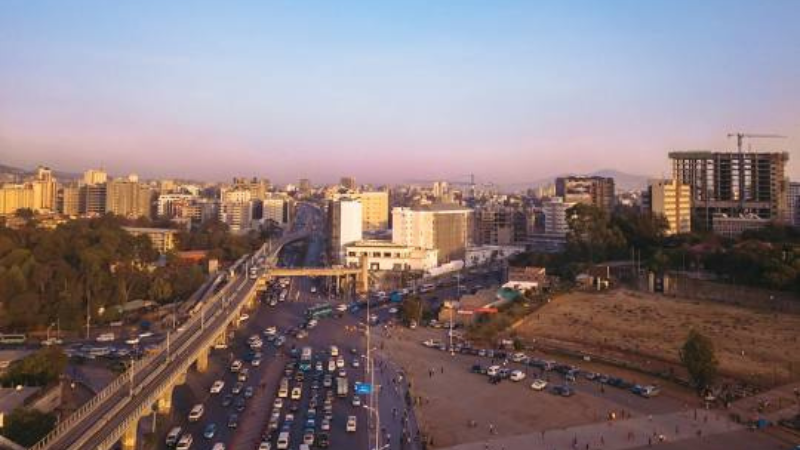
(623,181)
(10,173)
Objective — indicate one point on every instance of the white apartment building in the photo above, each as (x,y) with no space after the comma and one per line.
(446,228)
(346,226)
(166,205)
(237,215)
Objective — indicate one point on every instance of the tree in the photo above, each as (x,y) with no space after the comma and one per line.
(592,236)
(412,308)
(39,369)
(700,360)
(27,426)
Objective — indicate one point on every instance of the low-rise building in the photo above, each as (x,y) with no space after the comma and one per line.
(385,255)
(733,226)
(162,239)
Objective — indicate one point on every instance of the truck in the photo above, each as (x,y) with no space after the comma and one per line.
(341,386)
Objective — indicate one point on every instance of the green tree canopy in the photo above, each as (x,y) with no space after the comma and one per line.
(28,426)
(700,360)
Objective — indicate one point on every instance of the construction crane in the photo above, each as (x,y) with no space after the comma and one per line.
(740,138)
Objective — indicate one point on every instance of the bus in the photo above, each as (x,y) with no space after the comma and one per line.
(15,339)
(319,311)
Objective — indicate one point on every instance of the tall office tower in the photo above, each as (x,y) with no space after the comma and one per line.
(348,183)
(304,186)
(733,183)
(443,227)
(237,215)
(597,191)
(93,199)
(345,225)
(44,189)
(95,176)
(375,209)
(68,200)
(673,201)
(555,216)
(496,225)
(127,197)
(793,204)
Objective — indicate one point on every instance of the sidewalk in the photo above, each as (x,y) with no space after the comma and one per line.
(618,435)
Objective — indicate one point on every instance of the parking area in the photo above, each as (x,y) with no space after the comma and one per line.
(459,405)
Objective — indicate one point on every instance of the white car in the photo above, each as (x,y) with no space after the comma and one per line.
(334,350)
(278,403)
(356,400)
(216,388)
(219,446)
(517,375)
(351,424)
(270,331)
(265,445)
(132,341)
(538,385)
(340,362)
(244,317)
(236,366)
(196,413)
(145,334)
(341,308)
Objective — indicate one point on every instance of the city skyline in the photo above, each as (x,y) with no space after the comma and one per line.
(395,93)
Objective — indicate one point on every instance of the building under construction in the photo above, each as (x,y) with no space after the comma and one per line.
(733,183)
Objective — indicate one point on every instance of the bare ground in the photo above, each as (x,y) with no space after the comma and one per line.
(750,344)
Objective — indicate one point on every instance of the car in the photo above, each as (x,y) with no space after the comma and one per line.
(538,384)
(248,392)
(256,362)
(265,445)
(240,404)
(351,424)
(341,307)
(244,317)
(340,362)
(297,392)
(331,365)
(227,400)
(277,403)
(563,391)
(393,310)
(343,373)
(323,440)
(334,351)
(210,431)
(308,437)
(325,425)
(233,421)
(218,446)
(237,388)
(216,388)
(283,440)
(185,442)
(132,341)
(356,400)
(493,371)
(646,391)
(236,366)
(173,436)
(196,413)
(517,375)
(518,357)
(270,331)
(145,334)
(318,366)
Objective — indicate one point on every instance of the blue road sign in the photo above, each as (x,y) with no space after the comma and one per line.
(363,388)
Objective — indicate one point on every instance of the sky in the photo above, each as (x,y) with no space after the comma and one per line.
(512,91)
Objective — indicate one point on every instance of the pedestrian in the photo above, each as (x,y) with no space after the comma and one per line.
(602,440)
(442,369)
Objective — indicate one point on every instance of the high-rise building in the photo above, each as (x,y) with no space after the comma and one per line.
(793,204)
(258,187)
(348,183)
(14,197)
(68,200)
(278,209)
(444,227)
(555,216)
(238,215)
(170,205)
(304,186)
(439,189)
(496,225)
(589,190)
(733,183)
(345,225)
(127,197)
(93,199)
(375,209)
(673,201)
(95,176)
(45,189)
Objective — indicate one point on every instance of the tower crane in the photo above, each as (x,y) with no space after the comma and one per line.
(741,136)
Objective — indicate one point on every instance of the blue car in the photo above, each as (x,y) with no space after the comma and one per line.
(210,431)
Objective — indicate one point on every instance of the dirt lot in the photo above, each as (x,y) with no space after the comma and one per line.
(749,343)
(454,396)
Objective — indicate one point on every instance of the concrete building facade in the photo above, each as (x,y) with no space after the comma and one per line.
(733,183)
(589,190)
(555,216)
(375,209)
(383,255)
(444,227)
(346,226)
(129,198)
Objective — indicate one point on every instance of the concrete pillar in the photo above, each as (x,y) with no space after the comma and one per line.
(164,403)
(202,360)
(128,440)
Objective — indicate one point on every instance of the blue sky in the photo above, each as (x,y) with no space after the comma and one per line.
(391,91)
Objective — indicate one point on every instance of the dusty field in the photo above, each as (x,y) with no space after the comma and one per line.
(455,396)
(749,343)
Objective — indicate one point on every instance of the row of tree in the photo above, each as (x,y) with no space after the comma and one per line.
(57,274)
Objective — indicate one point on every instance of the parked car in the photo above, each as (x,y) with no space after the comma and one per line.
(538,384)
(517,375)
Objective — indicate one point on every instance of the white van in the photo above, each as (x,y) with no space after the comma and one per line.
(173,436)
(283,440)
(493,371)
